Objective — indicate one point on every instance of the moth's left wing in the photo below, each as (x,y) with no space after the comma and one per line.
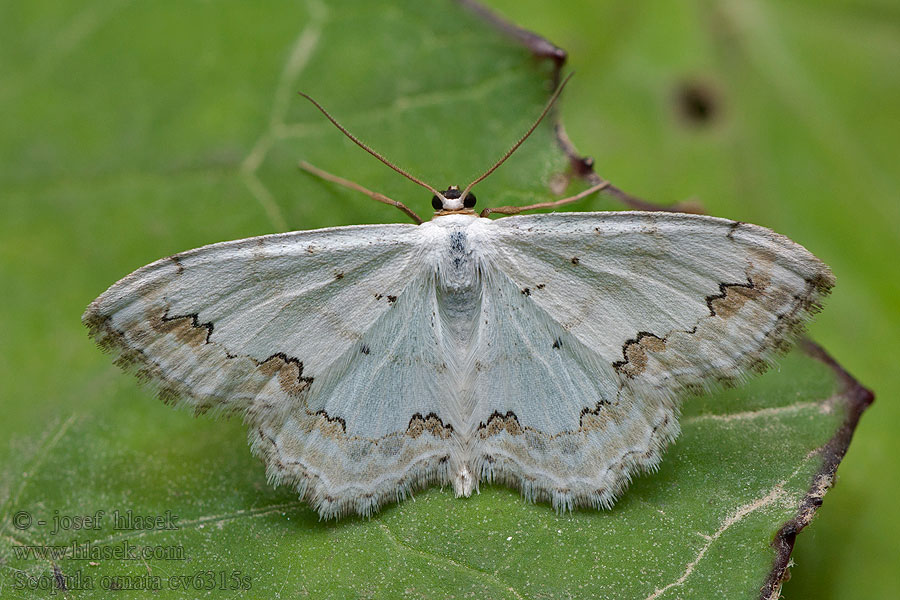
(598,321)
(318,338)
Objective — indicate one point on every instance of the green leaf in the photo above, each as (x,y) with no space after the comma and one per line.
(133,145)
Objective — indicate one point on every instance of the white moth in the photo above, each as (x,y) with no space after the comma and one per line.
(546,352)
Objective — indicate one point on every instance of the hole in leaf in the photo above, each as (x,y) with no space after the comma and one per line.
(698,103)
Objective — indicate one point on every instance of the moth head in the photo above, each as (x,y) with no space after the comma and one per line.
(451,199)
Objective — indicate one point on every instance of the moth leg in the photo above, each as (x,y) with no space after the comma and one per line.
(513,210)
(355,186)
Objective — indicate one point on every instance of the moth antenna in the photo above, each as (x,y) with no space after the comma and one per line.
(362,145)
(355,186)
(523,138)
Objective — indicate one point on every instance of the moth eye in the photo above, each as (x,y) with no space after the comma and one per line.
(436,203)
(469,202)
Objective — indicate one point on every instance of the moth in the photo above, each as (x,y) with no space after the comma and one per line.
(547,352)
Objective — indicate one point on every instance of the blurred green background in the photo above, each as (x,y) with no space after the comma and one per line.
(781,113)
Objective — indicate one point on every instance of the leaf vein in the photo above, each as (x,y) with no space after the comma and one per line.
(430,555)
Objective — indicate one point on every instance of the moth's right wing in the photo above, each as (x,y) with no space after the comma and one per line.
(598,321)
(307,335)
